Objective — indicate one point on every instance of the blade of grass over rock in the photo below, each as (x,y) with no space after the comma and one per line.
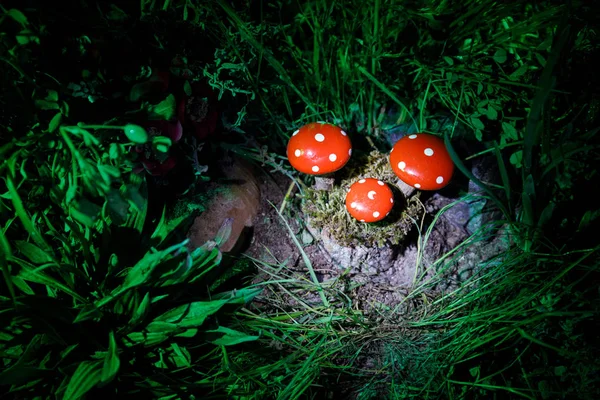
(460,165)
(305,258)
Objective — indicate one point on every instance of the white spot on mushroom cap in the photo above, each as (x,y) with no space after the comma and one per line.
(353,204)
(412,136)
(315,168)
(417,186)
(401,165)
(371,194)
(380,183)
(295,132)
(392,200)
(376,214)
(319,137)
(362,220)
(332,157)
(343,133)
(428,152)
(439,179)
(349,152)
(392,150)
(362,181)
(297,152)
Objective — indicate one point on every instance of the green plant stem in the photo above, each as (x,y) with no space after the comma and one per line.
(307,261)
(385,90)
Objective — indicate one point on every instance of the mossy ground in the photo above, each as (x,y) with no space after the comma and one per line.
(328,210)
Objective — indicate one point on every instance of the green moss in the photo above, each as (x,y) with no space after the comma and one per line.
(327,210)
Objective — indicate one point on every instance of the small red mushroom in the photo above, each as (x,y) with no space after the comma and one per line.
(319,148)
(369,200)
(422,160)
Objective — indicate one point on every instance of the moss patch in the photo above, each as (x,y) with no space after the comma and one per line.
(328,209)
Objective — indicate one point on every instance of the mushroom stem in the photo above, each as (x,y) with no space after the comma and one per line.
(324,182)
(406,190)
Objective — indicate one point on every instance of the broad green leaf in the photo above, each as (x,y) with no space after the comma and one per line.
(188,333)
(111,360)
(46,105)
(32,252)
(55,122)
(52,95)
(161,143)
(165,110)
(85,212)
(22,285)
(477,123)
(88,138)
(516,158)
(500,56)
(193,314)
(141,311)
(588,218)
(31,273)
(18,16)
(540,59)
(181,357)
(241,296)
(205,259)
(114,151)
(492,113)
(136,133)
(161,326)
(141,271)
(231,337)
(546,214)
(86,376)
(509,130)
(24,216)
(187,88)
(519,72)
(148,339)
(88,312)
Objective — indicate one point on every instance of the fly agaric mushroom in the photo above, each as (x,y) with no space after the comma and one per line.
(319,148)
(369,200)
(422,161)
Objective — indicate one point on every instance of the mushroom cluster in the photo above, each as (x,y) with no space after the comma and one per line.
(420,160)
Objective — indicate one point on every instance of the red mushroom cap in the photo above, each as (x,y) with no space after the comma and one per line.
(422,160)
(369,200)
(319,148)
